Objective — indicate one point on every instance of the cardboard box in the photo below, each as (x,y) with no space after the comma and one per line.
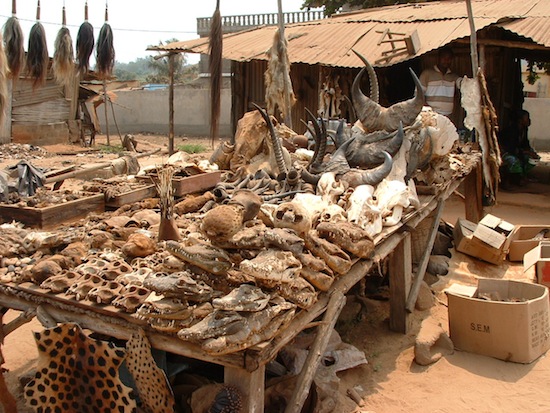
(540,258)
(516,330)
(524,238)
(480,241)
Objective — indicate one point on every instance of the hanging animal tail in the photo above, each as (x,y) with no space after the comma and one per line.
(3,81)
(84,43)
(105,51)
(37,53)
(63,57)
(15,43)
(215,68)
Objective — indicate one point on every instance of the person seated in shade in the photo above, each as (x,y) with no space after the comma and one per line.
(440,83)
(518,157)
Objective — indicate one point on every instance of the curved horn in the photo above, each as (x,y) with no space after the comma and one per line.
(375,176)
(373,79)
(310,178)
(405,111)
(277,149)
(320,139)
(375,117)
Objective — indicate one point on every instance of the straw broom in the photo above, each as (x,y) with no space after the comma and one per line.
(15,43)
(37,53)
(84,43)
(215,68)
(63,57)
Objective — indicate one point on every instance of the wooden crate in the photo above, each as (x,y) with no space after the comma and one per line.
(135,195)
(189,184)
(53,215)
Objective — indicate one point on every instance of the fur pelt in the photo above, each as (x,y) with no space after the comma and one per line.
(105,52)
(63,57)
(37,55)
(15,46)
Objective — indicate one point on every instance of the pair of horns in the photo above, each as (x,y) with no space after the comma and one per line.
(375,117)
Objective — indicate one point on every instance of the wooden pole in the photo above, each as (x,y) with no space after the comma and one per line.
(287,87)
(171,104)
(105,100)
(473,39)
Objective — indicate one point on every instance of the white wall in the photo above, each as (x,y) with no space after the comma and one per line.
(146,111)
(539,132)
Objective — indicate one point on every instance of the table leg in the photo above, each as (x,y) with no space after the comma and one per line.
(251,384)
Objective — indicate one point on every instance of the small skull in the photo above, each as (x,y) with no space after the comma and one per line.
(329,189)
(105,293)
(294,216)
(131,297)
(333,213)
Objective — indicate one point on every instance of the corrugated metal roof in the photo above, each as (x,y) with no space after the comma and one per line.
(330,41)
(536,29)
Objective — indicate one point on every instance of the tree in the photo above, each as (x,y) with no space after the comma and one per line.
(333,6)
(160,66)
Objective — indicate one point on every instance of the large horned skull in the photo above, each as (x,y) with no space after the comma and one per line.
(329,189)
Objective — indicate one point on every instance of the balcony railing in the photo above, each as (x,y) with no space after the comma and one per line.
(232,24)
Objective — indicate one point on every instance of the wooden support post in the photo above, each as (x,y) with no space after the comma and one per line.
(335,305)
(171,58)
(251,384)
(400,283)
(473,204)
(413,295)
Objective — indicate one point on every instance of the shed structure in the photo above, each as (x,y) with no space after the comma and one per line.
(321,51)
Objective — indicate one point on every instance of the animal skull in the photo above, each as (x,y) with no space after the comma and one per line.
(105,293)
(329,189)
(362,210)
(392,198)
(293,215)
(333,213)
(131,297)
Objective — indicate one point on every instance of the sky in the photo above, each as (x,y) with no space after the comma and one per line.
(134,26)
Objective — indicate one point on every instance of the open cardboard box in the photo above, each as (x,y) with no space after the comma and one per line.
(540,258)
(487,240)
(524,238)
(515,329)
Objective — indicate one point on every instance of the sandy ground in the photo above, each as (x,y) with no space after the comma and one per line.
(392,381)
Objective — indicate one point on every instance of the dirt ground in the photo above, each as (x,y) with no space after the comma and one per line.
(391,381)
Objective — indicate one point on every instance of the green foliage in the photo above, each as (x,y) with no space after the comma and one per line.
(111,148)
(156,70)
(192,148)
(334,6)
(532,72)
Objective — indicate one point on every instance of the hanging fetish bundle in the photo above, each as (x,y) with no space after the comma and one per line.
(105,51)
(37,53)
(84,43)
(15,43)
(63,57)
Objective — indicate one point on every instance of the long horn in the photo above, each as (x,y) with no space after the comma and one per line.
(405,111)
(375,176)
(371,155)
(277,149)
(375,117)
(373,79)
(310,178)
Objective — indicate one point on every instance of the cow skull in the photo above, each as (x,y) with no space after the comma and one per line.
(362,210)
(329,189)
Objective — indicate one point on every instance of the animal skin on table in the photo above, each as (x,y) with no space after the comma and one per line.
(71,367)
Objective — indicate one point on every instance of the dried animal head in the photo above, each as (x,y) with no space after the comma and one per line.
(83,285)
(329,189)
(60,282)
(223,221)
(293,215)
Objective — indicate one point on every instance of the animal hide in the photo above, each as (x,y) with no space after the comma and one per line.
(277,77)
(105,52)
(477,118)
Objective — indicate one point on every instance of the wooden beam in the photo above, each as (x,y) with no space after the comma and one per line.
(316,352)
(400,269)
(473,202)
(171,65)
(251,384)
(508,44)
(413,294)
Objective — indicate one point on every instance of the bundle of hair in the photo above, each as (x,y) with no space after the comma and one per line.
(15,43)
(63,57)
(37,53)
(105,51)
(215,68)
(84,43)
(3,81)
